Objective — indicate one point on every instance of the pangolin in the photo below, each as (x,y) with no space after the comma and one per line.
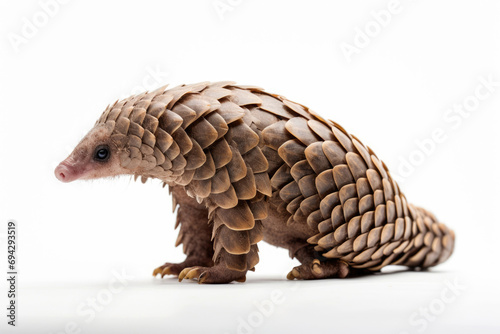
(244,165)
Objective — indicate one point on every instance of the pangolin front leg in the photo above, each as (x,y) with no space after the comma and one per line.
(235,235)
(195,235)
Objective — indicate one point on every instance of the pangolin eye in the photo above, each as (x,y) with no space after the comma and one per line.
(101,153)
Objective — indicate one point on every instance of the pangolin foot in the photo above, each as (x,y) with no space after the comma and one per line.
(216,274)
(317,270)
(176,268)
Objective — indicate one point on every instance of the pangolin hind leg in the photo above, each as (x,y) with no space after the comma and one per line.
(195,235)
(315,266)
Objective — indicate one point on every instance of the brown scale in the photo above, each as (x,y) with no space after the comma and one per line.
(255,166)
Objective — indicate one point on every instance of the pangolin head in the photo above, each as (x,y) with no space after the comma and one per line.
(125,140)
(96,156)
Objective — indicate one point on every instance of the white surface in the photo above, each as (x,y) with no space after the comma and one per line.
(390,303)
(395,91)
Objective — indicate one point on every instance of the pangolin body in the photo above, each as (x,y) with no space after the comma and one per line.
(245,165)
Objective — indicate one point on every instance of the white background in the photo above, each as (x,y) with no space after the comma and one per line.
(395,91)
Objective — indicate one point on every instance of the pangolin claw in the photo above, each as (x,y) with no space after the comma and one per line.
(157,271)
(190,273)
(193,273)
(295,273)
(242,279)
(316,267)
(166,271)
(183,273)
(202,277)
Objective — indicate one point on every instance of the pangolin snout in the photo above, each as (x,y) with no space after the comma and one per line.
(64,173)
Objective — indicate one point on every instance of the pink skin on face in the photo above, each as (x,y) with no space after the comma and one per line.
(82,163)
(68,171)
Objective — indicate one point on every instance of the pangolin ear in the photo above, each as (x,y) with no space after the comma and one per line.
(119,140)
